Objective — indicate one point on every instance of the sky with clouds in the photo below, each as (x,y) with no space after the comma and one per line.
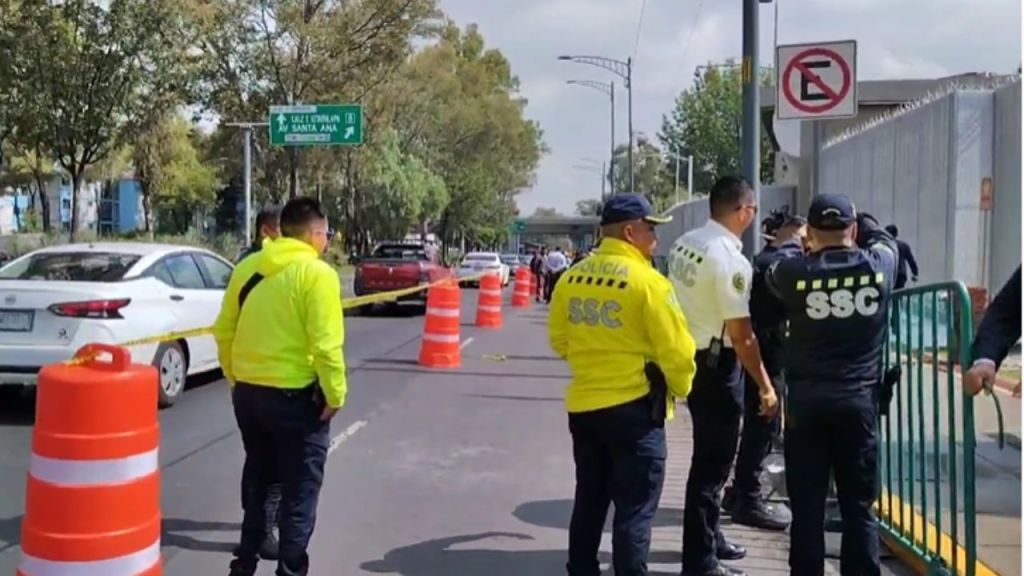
(895,39)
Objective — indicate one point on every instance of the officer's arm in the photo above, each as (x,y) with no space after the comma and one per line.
(734,304)
(226,323)
(558,320)
(325,332)
(911,261)
(879,246)
(674,348)
(1000,327)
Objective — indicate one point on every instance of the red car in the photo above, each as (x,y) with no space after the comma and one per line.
(396,266)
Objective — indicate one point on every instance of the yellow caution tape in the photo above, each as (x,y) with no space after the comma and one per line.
(346,304)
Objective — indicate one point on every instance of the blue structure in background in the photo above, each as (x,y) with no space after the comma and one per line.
(120,207)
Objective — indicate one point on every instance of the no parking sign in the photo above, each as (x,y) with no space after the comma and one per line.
(816,81)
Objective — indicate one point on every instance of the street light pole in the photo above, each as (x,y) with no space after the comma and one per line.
(750,145)
(609,89)
(247,170)
(624,69)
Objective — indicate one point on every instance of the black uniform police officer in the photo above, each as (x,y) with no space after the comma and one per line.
(768,316)
(616,320)
(836,301)
(712,282)
(268,225)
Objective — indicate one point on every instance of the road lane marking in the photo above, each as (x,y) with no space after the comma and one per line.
(352,429)
(466,342)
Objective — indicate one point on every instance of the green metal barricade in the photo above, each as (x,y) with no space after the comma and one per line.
(926,504)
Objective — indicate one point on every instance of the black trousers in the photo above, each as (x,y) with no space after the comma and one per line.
(285,441)
(716,406)
(620,458)
(273,502)
(837,435)
(755,442)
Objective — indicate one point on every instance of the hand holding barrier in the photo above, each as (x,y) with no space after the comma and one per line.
(441,346)
(521,296)
(488,308)
(92,502)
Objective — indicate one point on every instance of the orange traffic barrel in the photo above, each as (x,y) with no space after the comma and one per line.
(521,296)
(92,503)
(488,307)
(441,344)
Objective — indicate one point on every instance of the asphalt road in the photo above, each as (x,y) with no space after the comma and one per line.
(200,452)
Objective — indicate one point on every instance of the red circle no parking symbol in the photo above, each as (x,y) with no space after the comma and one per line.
(804,63)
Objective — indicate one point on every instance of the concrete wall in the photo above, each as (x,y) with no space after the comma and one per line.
(925,170)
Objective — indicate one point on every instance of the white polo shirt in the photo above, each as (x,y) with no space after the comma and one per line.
(712,280)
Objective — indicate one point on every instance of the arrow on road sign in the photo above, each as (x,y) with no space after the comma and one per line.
(282,122)
(350,131)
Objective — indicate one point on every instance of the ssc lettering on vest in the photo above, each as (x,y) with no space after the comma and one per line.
(843,303)
(591,311)
(684,271)
(603,269)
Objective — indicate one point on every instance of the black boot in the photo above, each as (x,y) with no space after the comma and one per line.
(757,514)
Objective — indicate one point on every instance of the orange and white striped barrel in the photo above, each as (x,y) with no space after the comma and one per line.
(92,503)
(441,347)
(488,307)
(521,296)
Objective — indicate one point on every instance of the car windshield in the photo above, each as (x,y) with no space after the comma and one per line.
(400,252)
(70,267)
(481,258)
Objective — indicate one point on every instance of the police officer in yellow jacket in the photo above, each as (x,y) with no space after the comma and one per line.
(616,320)
(279,339)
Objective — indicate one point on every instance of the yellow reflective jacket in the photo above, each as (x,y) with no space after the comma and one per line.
(610,314)
(291,331)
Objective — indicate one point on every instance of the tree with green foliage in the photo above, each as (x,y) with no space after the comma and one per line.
(588,207)
(95,68)
(170,175)
(706,123)
(649,172)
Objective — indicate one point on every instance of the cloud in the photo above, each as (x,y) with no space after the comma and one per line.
(905,38)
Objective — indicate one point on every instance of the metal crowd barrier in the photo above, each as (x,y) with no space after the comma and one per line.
(926,504)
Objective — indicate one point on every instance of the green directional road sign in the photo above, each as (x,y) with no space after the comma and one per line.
(316,125)
(519,226)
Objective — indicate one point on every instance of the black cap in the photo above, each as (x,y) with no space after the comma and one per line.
(626,207)
(831,212)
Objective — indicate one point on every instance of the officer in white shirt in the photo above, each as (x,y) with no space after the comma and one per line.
(712,282)
(556,264)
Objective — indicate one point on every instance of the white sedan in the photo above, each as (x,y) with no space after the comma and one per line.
(55,300)
(480,262)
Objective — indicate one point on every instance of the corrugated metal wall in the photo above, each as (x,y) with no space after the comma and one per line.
(924,170)
(1006,223)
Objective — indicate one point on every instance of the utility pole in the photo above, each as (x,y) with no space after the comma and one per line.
(247,171)
(750,146)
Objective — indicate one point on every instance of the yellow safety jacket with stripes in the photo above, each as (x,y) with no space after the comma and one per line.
(611,314)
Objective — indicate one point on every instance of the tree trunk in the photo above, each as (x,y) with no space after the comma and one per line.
(76,190)
(147,209)
(293,173)
(44,198)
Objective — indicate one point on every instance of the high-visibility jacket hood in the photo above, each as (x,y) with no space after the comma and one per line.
(278,253)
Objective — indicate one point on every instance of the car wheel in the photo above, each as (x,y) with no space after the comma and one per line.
(172,368)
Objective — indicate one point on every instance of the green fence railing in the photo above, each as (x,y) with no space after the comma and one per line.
(926,442)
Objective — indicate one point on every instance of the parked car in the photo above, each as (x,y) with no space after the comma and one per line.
(479,262)
(395,266)
(513,262)
(55,300)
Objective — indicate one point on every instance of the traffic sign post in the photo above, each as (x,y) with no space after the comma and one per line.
(316,125)
(816,81)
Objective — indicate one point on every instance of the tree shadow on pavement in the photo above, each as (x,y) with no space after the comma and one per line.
(175,531)
(556,514)
(434,557)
